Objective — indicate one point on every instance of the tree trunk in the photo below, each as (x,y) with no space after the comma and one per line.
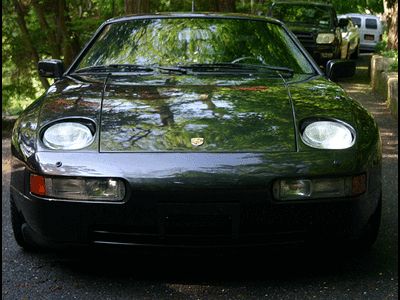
(226,5)
(205,5)
(63,33)
(70,43)
(27,38)
(137,6)
(392,20)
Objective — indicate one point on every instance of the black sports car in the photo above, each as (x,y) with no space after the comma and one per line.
(195,130)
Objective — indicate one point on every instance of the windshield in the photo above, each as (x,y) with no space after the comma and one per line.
(187,41)
(303,13)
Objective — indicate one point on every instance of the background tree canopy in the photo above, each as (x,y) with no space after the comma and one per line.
(38,29)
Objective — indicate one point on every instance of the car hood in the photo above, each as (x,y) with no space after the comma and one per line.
(187,113)
(164,113)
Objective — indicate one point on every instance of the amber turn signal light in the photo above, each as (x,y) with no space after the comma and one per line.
(37,185)
(359,184)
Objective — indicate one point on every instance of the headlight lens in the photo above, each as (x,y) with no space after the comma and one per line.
(328,135)
(67,136)
(319,188)
(79,189)
(325,38)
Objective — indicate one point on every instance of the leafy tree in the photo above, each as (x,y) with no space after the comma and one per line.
(37,29)
(358,6)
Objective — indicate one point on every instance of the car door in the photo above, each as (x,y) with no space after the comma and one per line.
(353,35)
(357,21)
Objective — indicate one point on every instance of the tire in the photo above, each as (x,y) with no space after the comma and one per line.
(355,54)
(370,234)
(17,221)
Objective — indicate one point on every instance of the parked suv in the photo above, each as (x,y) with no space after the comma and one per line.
(315,25)
(350,39)
(370,28)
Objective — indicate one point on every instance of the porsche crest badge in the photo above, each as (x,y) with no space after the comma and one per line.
(197,141)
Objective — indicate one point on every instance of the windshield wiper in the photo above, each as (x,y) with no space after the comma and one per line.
(243,68)
(187,69)
(176,69)
(116,68)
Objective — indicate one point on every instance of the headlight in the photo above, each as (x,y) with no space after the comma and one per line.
(328,135)
(319,188)
(325,38)
(78,189)
(67,136)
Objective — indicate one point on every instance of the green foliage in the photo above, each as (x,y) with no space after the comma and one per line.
(358,6)
(381,46)
(19,86)
(258,7)
(382,49)
(20,82)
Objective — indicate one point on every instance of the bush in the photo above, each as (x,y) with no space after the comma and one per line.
(381,49)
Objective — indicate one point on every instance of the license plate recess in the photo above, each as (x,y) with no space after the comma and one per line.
(199,219)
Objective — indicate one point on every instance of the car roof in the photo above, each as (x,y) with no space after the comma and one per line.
(361,15)
(194,15)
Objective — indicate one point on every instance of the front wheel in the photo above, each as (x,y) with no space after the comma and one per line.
(368,238)
(17,221)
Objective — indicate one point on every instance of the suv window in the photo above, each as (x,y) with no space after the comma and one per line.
(356,21)
(371,24)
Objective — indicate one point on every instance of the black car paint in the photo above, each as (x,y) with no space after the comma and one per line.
(238,182)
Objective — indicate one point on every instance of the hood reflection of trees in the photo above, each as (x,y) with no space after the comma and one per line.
(159,118)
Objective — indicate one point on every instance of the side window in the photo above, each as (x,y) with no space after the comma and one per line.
(334,18)
(356,21)
(371,24)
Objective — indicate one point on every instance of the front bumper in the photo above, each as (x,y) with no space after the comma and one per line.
(368,47)
(227,223)
(323,53)
(210,200)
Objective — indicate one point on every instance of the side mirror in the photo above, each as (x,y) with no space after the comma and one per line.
(340,68)
(53,68)
(343,22)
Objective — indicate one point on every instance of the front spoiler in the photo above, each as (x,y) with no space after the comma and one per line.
(64,224)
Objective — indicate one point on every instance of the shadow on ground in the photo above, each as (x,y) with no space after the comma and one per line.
(280,263)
